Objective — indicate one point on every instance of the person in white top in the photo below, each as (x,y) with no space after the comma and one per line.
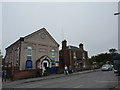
(66,70)
(43,71)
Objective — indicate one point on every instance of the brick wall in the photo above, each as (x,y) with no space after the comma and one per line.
(24,74)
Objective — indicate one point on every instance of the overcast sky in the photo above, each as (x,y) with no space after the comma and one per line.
(90,23)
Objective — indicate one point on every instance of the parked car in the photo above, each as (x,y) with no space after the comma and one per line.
(107,67)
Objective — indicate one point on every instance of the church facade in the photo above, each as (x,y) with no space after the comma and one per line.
(38,49)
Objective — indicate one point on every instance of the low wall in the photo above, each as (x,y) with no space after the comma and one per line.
(21,74)
(24,74)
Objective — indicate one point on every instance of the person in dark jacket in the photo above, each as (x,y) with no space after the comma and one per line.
(70,69)
(38,72)
(4,75)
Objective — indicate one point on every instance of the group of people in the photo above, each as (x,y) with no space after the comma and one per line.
(43,71)
(40,72)
(68,70)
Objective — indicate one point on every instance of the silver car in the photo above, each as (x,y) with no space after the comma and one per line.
(106,67)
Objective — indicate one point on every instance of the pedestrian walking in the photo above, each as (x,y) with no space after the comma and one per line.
(4,75)
(38,72)
(66,70)
(43,71)
(70,69)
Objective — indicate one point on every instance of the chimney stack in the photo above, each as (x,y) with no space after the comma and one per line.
(64,44)
(81,46)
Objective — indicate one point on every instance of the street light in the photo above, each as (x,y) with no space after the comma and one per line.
(117,13)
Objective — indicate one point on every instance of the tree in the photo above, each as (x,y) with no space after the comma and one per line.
(112,51)
(101,59)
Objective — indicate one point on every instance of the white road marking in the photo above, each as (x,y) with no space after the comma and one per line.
(107,81)
(78,86)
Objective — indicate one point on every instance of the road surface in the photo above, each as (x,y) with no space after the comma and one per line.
(99,79)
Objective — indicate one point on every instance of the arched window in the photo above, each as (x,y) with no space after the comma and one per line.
(29,57)
(17,56)
(53,53)
(29,53)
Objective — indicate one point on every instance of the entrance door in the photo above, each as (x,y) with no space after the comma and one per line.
(44,61)
(45,64)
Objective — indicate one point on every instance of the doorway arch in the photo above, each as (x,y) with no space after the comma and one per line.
(44,61)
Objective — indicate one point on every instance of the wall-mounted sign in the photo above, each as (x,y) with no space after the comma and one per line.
(57,64)
(55,61)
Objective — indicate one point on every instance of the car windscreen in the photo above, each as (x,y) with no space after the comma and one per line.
(106,66)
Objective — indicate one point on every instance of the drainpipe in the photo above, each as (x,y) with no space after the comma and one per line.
(21,39)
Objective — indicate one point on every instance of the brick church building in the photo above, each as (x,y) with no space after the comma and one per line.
(38,49)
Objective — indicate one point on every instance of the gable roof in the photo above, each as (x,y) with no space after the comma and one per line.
(42,29)
(43,57)
(22,38)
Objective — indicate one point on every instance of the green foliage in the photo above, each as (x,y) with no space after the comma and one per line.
(101,59)
(112,51)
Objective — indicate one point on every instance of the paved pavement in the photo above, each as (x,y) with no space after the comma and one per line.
(43,78)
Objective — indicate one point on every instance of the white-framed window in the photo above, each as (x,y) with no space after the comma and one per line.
(29,53)
(53,53)
(29,58)
(83,55)
(74,55)
(17,57)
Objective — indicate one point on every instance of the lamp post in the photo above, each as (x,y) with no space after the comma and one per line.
(117,13)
